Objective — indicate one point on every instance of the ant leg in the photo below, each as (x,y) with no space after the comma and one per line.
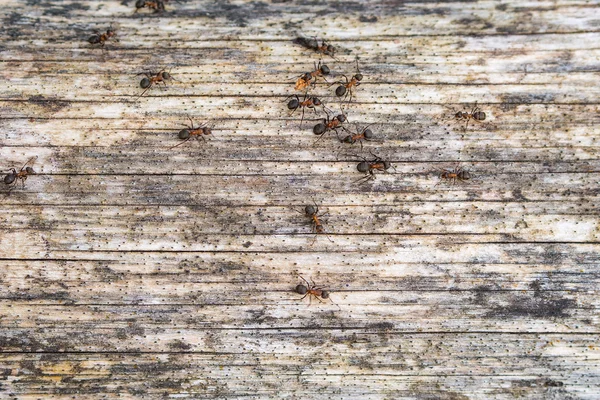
(179,144)
(305,281)
(302,119)
(191,122)
(145,90)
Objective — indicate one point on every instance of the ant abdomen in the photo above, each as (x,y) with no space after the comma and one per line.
(301,289)
(145,83)
(184,134)
(319,129)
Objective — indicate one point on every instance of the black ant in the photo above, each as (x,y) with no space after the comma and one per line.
(347,88)
(313,44)
(307,102)
(156,5)
(330,124)
(311,77)
(458,174)
(369,167)
(12,177)
(365,134)
(312,211)
(101,38)
(149,80)
(187,134)
(476,115)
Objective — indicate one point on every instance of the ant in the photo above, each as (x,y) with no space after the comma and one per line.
(101,38)
(457,174)
(347,89)
(147,82)
(187,134)
(366,134)
(317,224)
(12,177)
(311,77)
(330,124)
(313,44)
(307,102)
(156,5)
(369,167)
(312,291)
(476,114)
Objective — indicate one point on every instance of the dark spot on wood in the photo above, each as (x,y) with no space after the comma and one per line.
(178,344)
(501,7)
(52,105)
(369,19)
(474,21)
(247,244)
(57,8)
(381,326)
(525,306)
(553,383)
(528,98)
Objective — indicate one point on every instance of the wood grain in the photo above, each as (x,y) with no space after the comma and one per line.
(134,269)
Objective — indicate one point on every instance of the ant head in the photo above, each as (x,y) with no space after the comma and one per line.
(358,76)
(458,115)
(166,75)
(330,49)
(293,104)
(316,101)
(312,43)
(363,166)
(207,130)
(10,178)
(301,289)
(310,210)
(319,129)
(348,139)
(341,118)
(325,294)
(340,91)
(30,170)
(145,83)
(307,77)
(464,175)
(140,3)
(184,134)
(387,165)
(110,31)
(368,134)
(325,69)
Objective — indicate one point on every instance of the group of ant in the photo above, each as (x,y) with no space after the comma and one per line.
(344,91)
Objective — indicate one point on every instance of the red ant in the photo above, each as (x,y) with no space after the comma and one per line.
(101,38)
(330,124)
(347,88)
(311,77)
(365,134)
(313,44)
(12,177)
(312,290)
(307,102)
(156,5)
(147,82)
(369,167)
(199,132)
(476,115)
(458,174)
(316,222)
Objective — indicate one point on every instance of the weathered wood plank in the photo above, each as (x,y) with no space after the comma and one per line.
(132,270)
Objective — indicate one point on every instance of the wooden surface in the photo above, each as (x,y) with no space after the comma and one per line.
(132,270)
